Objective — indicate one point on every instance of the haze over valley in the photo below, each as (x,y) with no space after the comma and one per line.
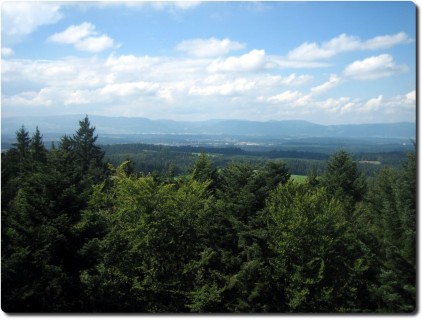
(209,157)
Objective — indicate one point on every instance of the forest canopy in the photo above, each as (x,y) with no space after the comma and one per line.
(82,235)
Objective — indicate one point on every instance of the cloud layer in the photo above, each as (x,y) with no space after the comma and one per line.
(206,48)
(83,37)
(344,43)
(22,18)
(199,78)
(155,86)
(374,67)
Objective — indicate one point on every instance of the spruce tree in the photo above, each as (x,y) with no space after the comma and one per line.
(342,178)
(22,146)
(37,149)
(88,154)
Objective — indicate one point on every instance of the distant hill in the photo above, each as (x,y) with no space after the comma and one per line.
(275,129)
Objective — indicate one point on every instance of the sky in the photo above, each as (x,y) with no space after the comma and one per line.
(324,62)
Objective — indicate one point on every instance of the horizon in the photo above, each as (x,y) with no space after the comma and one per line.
(206,120)
(202,61)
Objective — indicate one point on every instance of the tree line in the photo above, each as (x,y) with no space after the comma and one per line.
(82,235)
(160,159)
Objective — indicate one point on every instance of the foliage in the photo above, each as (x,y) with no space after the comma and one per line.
(391,209)
(81,235)
(342,178)
(318,256)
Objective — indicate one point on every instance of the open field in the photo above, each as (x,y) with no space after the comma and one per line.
(298,178)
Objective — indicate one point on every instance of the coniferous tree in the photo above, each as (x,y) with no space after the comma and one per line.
(391,211)
(88,154)
(153,234)
(203,170)
(40,260)
(242,239)
(22,142)
(320,265)
(37,148)
(343,180)
(22,146)
(312,178)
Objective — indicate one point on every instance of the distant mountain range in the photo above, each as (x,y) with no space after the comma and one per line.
(280,129)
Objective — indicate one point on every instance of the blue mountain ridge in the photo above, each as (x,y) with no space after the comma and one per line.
(68,124)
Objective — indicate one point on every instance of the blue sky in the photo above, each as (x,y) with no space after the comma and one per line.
(325,62)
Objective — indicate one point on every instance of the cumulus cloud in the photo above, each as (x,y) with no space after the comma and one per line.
(295,80)
(285,96)
(343,43)
(333,81)
(22,18)
(95,44)
(6,52)
(78,97)
(407,101)
(374,67)
(333,105)
(285,62)
(172,6)
(251,61)
(131,63)
(387,41)
(373,104)
(129,88)
(43,97)
(141,85)
(206,48)
(237,86)
(180,5)
(310,51)
(83,37)
(73,34)
(410,97)
(304,100)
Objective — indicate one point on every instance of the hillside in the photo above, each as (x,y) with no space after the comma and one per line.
(272,129)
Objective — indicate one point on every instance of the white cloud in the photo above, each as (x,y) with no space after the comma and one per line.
(44,97)
(95,44)
(186,4)
(164,87)
(303,101)
(6,52)
(407,101)
(172,6)
(284,62)
(238,86)
(79,97)
(131,63)
(349,107)
(73,33)
(374,68)
(285,96)
(181,5)
(295,80)
(333,81)
(83,37)
(251,61)
(373,104)
(63,73)
(387,41)
(22,18)
(206,48)
(410,97)
(334,105)
(343,43)
(129,88)
(310,51)
(378,107)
